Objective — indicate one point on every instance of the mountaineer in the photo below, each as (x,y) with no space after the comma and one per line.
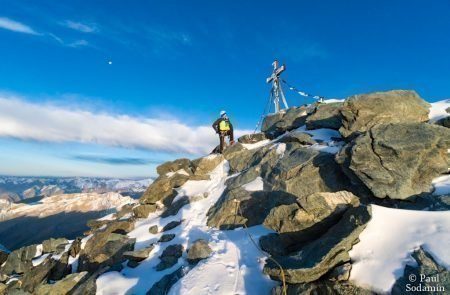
(223,127)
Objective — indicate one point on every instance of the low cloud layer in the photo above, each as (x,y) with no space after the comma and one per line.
(115,160)
(30,121)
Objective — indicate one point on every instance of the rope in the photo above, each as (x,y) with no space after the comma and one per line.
(302,93)
(283,278)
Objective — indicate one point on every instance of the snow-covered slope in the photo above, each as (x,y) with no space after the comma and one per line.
(234,268)
(438,110)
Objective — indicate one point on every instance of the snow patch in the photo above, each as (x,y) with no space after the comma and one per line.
(390,237)
(437,110)
(259,144)
(255,185)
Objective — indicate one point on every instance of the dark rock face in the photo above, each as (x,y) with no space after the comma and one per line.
(362,112)
(75,248)
(198,251)
(175,207)
(320,256)
(278,123)
(136,256)
(169,257)
(444,122)
(238,157)
(397,160)
(166,238)
(427,267)
(61,268)
(163,286)
(171,225)
(37,275)
(326,115)
(3,256)
(323,287)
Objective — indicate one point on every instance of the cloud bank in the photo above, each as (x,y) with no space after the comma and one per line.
(30,121)
(15,26)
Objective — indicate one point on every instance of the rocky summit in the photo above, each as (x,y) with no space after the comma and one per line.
(310,205)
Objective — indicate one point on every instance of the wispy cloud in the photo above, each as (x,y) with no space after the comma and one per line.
(30,121)
(81,27)
(15,26)
(115,160)
(73,44)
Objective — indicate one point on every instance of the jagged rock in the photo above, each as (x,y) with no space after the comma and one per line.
(54,245)
(309,210)
(3,256)
(252,138)
(205,165)
(75,248)
(341,272)
(36,275)
(444,122)
(397,160)
(198,251)
(87,285)
(142,211)
(120,226)
(95,224)
(61,268)
(162,189)
(175,207)
(63,286)
(303,171)
(323,287)
(238,157)
(169,257)
(174,166)
(326,115)
(364,111)
(104,249)
(3,288)
(125,210)
(298,137)
(163,286)
(171,225)
(254,206)
(431,277)
(166,238)
(153,229)
(19,261)
(138,255)
(278,123)
(320,256)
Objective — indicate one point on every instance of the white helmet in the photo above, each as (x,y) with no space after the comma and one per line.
(222,113)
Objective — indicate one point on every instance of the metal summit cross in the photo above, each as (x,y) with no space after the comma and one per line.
(277,91)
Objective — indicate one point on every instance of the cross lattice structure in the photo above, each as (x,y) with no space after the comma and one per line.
(277,92)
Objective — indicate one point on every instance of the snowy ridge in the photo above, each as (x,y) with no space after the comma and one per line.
(234,268)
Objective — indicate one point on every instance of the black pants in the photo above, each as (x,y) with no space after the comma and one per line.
(222,135)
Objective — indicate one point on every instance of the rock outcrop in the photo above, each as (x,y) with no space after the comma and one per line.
(320,256)
(397,160)
(326,115)
(278,123)
(198,251)
(362,112)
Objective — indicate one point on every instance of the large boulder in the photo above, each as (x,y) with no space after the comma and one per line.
(163,189)
(364,111)
(238,157)
(169,257)
(143,210)
(322,255)
(163,286)
(309,210)
(54,245)
(205,165)
(326,115)
(238,207)
(62,287)
(174,166)
(19,261)
(397,160)
(286,120)
(198,251)
(298,137)
(37,275)
(304,171)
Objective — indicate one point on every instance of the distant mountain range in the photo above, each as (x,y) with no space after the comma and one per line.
(30,189)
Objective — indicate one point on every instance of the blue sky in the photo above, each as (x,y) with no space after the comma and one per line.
(64,110)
